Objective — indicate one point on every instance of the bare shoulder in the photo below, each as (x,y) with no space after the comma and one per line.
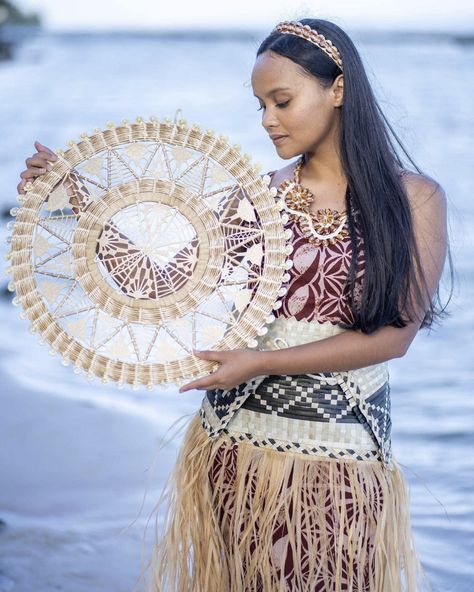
(423,191)
(429,210)
(281,174)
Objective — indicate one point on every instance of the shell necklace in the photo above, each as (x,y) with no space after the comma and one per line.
(326,226)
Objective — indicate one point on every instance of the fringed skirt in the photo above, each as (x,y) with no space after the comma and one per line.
(296,501)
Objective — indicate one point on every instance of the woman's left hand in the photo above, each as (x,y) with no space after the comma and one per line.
(236,366)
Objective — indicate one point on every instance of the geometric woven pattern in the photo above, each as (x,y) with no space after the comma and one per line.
(373,408)
(299,447)
(144,241)
(333,414)
(309,399)
(299,414)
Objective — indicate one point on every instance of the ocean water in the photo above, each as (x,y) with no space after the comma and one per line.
(59,86)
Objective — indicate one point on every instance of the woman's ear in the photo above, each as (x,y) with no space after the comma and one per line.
(338,90)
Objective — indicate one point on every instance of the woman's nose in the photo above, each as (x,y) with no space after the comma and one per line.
(269,119)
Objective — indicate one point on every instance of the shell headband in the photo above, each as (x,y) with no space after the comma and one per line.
(311,35)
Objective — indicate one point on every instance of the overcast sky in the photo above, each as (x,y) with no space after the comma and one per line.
(152,14)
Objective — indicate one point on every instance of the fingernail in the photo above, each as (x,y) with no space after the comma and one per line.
(49,167)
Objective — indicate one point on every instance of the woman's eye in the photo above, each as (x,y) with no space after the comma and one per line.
(279,105)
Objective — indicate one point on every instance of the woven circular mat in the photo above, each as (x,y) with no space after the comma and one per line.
(144,241)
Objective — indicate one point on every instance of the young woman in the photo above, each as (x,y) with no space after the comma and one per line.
(285,480)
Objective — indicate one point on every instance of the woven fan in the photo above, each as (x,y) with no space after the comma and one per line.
(144,241)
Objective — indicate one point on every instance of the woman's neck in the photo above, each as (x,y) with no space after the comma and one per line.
(323,167)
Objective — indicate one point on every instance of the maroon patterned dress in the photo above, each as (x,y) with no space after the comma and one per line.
(317,288)
(317,291)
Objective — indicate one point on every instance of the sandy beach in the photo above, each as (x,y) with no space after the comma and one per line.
(74,475)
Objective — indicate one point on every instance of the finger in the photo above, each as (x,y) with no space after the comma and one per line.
(200,384)
(46,156)
(210,354)
(38,161)
(21,186)
(42,148)
(37,165)
(32,173)
(190,386)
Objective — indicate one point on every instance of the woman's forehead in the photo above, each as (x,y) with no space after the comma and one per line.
(272,71)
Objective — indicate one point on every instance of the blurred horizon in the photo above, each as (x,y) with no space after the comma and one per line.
(251,32)
(253,35)
(419,16)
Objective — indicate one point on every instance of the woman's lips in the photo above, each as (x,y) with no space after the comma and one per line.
(278,139)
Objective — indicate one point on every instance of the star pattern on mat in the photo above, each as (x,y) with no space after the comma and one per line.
(94,167)
(181,155)
(136,152)
(147,251)
(40,246)
(50,290)
(58,199)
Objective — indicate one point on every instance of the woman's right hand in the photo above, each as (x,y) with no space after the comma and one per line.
(38,164)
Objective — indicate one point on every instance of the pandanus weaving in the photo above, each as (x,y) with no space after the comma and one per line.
(144,241)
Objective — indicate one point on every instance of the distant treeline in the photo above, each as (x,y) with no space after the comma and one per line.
(252,35)
(10,14)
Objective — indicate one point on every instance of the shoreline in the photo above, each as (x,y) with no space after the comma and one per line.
(75,476)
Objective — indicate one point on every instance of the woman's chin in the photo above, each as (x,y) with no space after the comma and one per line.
(285,153)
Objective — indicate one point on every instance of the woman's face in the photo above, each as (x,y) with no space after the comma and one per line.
(296,107)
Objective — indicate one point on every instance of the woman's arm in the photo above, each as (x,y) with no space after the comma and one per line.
(354,349)
(351,349)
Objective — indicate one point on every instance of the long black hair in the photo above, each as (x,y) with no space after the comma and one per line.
(393,283)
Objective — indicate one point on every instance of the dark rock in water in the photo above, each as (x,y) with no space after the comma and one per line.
(3,525)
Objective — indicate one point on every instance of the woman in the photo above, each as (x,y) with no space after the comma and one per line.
(285,480)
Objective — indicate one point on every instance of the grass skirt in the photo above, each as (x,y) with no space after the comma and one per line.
(246,519)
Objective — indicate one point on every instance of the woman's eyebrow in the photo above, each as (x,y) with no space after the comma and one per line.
(275,90)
